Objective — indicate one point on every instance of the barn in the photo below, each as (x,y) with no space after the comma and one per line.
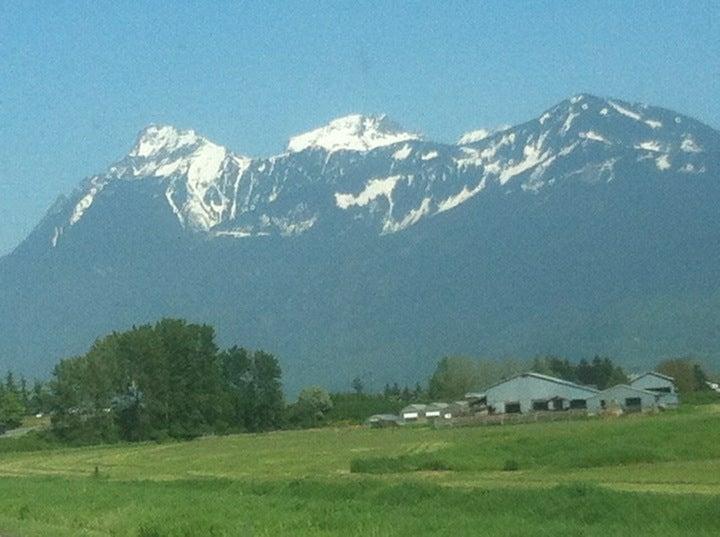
(438,410)
(526,392)
(384,420)
(622,396)
(658,383)
(413,412)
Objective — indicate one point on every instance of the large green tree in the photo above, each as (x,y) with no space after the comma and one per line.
(167,379)
(601,372)
(453,378)
(555,366)
(11,410)
(688,373)
(268,404)
(312,406)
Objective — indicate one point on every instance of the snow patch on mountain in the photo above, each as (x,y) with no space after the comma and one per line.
(402,153)
(624,111)
(663,162)
(474,136)
(650,145)
(185,153)
(96,186)
(569,121)
(566,150)
(237,233)
(461,197)
(163,138)
(206,202)
(690,168)
(689,145)
(490,151)
(57,232)
(592,135)
(411,218)
(533,156)
(289,226)
(352,133)
(373,190)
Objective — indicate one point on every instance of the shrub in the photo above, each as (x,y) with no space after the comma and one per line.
(33,441)
(701,398)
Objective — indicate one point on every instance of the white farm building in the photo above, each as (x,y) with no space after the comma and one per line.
(627,398)
(532,391)
(660,384)
(413,412)
(529,392)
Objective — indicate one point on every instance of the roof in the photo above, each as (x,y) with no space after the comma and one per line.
(384,417)
(546,378)
(415,406)
(628,387)
(437,406)
(654,374)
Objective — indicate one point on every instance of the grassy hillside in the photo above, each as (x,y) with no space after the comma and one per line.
(597,477)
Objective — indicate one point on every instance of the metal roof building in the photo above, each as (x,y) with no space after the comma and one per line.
(384,420)
(413,412)
(661,384)
(437,410)
(526,392)
(626,397)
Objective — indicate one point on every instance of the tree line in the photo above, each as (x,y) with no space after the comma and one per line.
(170,380)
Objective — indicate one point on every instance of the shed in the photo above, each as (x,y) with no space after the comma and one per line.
(413,412)
(460,408)
(628,398)
(660,384)
(438,410)
(384,420)
(526,392)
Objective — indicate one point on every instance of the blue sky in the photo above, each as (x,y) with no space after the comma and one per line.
(79,80)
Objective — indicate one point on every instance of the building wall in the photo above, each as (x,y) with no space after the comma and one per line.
(619,394)
(651,382)
(647,382)
(526,389)
(669,399)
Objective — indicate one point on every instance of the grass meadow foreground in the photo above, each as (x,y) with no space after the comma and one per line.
(636,475)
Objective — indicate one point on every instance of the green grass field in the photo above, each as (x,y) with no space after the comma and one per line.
(636,475)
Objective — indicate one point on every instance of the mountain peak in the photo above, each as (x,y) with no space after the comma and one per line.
(355,132)
(155,139)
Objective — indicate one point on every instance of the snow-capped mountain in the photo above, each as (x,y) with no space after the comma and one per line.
(368,168)
(592,228)
(352,133)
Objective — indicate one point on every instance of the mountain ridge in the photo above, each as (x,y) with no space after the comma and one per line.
(210,188)
(592,228)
